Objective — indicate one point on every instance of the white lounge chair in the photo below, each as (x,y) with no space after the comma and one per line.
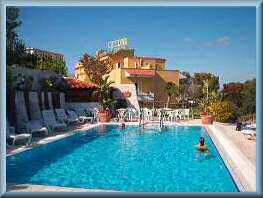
(62,116)
(82,115)
(249,130)
(36,126)
(73,116)
(17,139)
(51,122)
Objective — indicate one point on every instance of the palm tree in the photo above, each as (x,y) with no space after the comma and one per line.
(172,90)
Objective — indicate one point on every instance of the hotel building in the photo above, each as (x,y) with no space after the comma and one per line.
(148,74)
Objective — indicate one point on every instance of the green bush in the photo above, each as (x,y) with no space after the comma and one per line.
(221,111)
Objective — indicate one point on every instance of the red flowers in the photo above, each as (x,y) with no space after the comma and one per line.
(79,84)
(126,94)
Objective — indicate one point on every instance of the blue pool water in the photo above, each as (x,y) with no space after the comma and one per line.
(149,160)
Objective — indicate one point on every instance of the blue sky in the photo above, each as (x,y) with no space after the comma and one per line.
(220,40)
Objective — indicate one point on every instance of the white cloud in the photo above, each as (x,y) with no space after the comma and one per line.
(218,42)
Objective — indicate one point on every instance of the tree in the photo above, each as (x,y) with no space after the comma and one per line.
(233,92)
(249,97)
(15,47)
(96,68)
(185,85)
(172,90)
(211,79)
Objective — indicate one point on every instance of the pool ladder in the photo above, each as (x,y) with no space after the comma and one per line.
(141,119)
(161,118)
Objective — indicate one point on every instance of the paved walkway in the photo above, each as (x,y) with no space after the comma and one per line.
(238,152)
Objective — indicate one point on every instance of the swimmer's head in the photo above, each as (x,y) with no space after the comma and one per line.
(202,141)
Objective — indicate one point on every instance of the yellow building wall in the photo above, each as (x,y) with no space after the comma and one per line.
(154,84)
(169,75)
(144,63)
(115,76)
(162,78)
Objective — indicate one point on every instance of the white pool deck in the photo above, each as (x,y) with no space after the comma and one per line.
(238,153)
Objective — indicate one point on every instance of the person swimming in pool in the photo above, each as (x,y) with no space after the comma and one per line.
(202,146)
(123,125)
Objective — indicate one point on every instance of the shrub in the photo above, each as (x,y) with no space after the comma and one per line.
(121,103)
(221,110)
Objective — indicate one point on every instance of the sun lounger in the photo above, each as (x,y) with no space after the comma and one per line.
(50,120)
(62,116)
(17,139)
(73,116)
(82,115)
(249,130)
(36,127)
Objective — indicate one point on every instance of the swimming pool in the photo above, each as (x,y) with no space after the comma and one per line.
(132,159)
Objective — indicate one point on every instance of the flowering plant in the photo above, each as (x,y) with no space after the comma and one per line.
(126,94)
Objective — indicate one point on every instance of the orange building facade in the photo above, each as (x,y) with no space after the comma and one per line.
(148,74)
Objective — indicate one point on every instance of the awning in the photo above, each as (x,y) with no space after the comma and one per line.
(140,73)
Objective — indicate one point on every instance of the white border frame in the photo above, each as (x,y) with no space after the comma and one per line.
(234,3)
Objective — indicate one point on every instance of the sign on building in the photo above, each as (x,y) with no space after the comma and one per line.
(118,44)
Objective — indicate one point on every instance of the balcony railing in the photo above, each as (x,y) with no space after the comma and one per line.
(142,96)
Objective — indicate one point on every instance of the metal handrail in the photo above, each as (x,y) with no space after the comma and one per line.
(161,119)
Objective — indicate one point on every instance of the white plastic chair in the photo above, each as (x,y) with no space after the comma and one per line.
(148,114)
(121,114)
(186,113)
(131,114)
(180,113)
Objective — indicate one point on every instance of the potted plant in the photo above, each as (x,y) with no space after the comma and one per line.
(97,70)
(106,100)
